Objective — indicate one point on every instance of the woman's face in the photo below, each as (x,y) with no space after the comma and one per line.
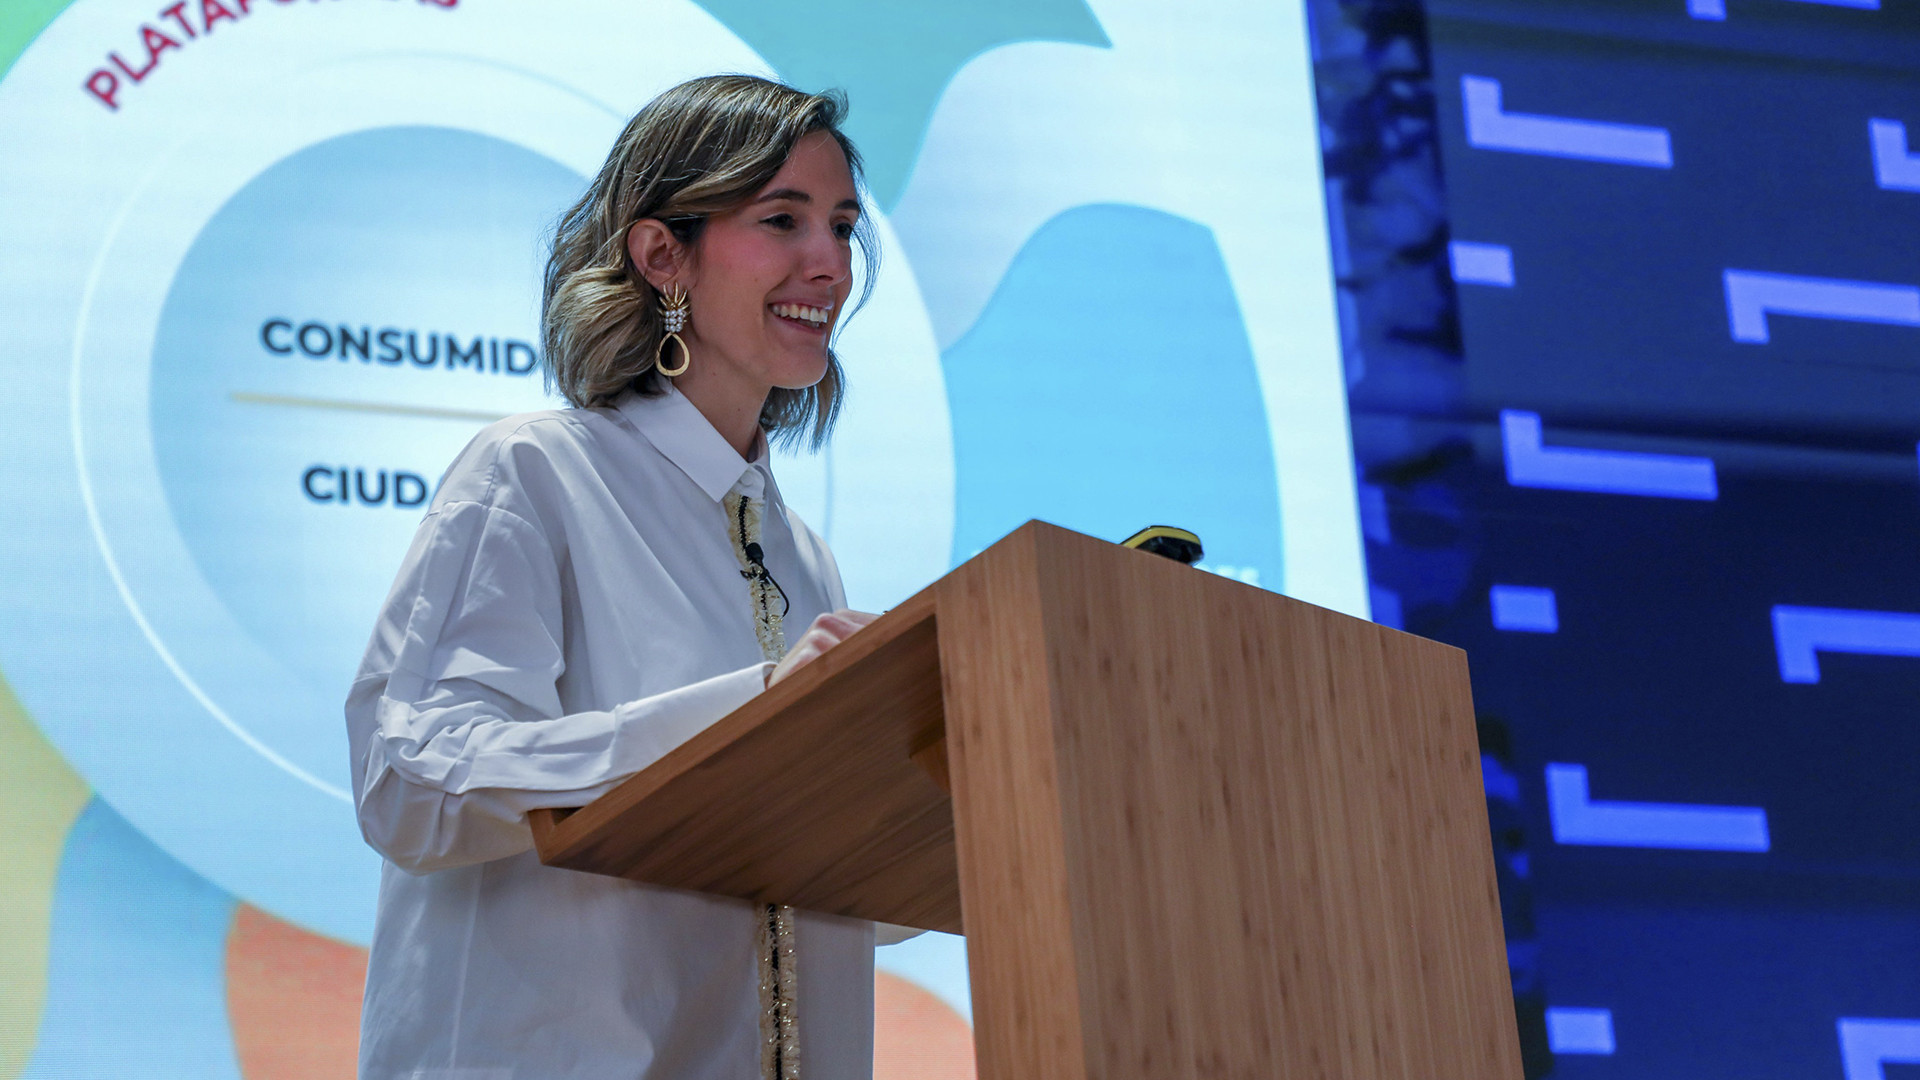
(766,282)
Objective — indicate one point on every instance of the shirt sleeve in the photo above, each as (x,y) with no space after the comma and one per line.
(455,723)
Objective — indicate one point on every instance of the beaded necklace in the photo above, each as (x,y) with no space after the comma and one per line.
(779,978)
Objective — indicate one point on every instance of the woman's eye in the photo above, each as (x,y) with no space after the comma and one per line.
(780,221)
(844,230)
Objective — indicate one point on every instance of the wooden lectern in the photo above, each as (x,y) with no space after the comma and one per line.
(1190,828)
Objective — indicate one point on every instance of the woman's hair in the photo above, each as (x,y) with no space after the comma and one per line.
(704,147)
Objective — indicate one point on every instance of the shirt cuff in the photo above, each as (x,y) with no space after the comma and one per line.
(645,730)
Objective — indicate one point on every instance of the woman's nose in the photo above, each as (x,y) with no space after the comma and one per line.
(827,259)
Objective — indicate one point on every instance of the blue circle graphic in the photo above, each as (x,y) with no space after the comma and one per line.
(337,331)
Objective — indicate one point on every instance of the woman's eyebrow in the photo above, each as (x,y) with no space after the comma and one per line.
(796,195)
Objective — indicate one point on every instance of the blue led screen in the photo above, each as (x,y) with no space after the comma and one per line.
(1636,416)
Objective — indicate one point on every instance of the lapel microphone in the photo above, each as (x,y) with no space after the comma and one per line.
(759,572)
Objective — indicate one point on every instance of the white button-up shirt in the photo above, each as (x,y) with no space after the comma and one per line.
(572,609)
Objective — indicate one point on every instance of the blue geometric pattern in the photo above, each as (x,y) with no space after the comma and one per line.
(1525,608)
(1669,685)
(1491,127)
(1801,633)
(1579,819)
(1895,166)
(1868,1046)
(1618,472)
(1717,9)
(1580,1031)
(1481,264)
(1753,295)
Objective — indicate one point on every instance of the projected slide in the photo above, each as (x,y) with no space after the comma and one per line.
(272,264)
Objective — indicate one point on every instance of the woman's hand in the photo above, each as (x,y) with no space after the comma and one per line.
(827,631)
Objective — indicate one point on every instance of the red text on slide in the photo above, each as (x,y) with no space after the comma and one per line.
(176,26)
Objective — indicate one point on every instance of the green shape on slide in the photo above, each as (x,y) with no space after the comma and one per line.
(20,22)
(894,58)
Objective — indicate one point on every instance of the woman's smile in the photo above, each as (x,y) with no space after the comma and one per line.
(813,320)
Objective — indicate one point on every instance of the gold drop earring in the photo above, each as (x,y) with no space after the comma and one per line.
(673,315)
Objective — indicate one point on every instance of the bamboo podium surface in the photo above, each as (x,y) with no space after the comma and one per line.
(1195,829)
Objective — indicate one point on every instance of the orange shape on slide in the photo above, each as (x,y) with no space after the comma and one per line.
(293,999)
(916,1036)
(294,1002)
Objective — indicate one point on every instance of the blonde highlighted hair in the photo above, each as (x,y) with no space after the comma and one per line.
(704,147)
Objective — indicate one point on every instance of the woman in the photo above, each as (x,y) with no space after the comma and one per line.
(592,586)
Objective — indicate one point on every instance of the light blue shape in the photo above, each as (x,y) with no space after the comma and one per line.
(1386,607)
(1752,295)
(1800,633)
(1866,1046)
(1481,264)
(893,59)
(1079,399)
(438,200)
(1895,167)
(1617,472)
(1524,608)
(1489,127)
(1578,819)
(935,962)
(136,965)
(1375,523)
(272,627)
(1580,1031)
(1717,9)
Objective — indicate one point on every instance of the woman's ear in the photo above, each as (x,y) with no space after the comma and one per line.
(657,253)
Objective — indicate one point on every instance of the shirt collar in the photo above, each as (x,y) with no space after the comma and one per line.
(677,428)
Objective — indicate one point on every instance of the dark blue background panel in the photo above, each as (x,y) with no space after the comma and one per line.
(1702,991)
(1619,308)
(1663,676)
(1673,383)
